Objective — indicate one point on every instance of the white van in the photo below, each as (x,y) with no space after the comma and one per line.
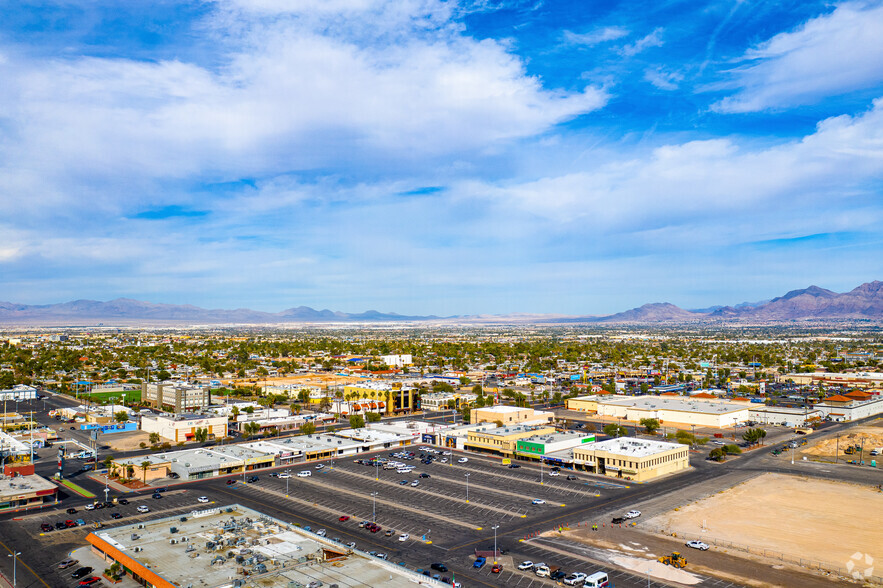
(304,474)
(597,580)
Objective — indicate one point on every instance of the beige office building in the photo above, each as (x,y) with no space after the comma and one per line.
(510,415)
(178,396)
(633,459)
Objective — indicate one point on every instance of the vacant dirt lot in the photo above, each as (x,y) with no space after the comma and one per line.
(872,436)
(813,519)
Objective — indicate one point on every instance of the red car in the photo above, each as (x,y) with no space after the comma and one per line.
(89,581)
(497,568)
(343,518)
(70,524)
(376,528)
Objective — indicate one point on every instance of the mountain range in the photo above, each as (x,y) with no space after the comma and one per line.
(814,303)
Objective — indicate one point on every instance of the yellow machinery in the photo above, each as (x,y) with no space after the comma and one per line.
(675,559)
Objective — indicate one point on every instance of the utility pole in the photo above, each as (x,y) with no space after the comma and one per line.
(837,452)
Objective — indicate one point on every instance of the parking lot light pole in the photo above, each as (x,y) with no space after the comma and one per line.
(14,555)
(541,470)
(467,487)
(376,470)
(287,477)
(374,507)
(495,527)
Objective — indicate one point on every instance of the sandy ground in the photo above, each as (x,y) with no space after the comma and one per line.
(812,519)
(126,441)
(872,437)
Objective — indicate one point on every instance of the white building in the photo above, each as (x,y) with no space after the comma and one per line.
(398,361)
(18,392)
(783,415)
(183,427)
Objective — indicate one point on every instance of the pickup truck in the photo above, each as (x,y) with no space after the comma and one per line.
(545,571)
(479,562)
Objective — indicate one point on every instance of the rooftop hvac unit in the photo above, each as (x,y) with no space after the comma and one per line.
(140,525)
(137,549)
(173,541)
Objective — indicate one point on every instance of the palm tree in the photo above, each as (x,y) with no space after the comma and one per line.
(130,471)
(144,466)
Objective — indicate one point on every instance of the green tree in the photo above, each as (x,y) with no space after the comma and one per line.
(717,454)
(754,436)
(464,381)
(154,438)
(7,380)
(650,425)
(373,417)
(308,428)
(121,416)
(357,421)
(614,430)
(478,390)
(201,434)
(107,461)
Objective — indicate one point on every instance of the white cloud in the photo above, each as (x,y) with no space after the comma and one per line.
(830,55)
(353,82)
(662,79)
(595,37)
(654,39)
(709,179)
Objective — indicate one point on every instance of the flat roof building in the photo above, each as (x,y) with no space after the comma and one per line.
(195,549)
(510,415)
(502,440)
(24,491)
(183,427)
(632,459)
(178,396)
(668,410)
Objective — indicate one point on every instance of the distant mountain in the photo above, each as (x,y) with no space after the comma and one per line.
(128,310)
(814,303)
(864,302)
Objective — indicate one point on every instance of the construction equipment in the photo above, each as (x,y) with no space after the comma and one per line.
(675,560)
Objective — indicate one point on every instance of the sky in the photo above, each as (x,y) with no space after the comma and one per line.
(439,157)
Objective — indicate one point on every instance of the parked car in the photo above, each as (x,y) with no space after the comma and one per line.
(67,563)
(143,508)
(89,581)
(231,481)
(304,474)
(538,501)
(404,537)
(514,465)
(343,518)
(321,532)
(156,496)
(697,545)
(84,571)
(557,575)
(617,521)
(202,499)
(575,579)
(122,501)
(439,567)
(525,565)
(632,514)
(479,562)
(116,515)
(46,527)
(571,477)
(71,510)
(463,460)
(497,568)
(89,507)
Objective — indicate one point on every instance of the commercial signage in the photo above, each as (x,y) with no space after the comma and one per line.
(529,447)
(507,461)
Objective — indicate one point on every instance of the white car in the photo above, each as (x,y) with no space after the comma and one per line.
(143,508)
(632,514)
(697,545)
(321,532)
(404,537)
(351,544)
(319,466)
(575,579)
(284,475)
(202,499)
(463,460)
(553,473)
(538,501)
(89,507)
(525,565)
(304,474)
(415,483)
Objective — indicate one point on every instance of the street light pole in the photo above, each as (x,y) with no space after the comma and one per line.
(14,555)
(495,527)
(541,470)
(467,487)
(287,477)
(374,507)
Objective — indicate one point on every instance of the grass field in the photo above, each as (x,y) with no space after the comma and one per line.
(78,489)
(131,396)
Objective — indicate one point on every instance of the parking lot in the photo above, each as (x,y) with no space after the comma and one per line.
(439,524)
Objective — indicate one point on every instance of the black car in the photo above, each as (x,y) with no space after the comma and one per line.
(557,575)
(514,465)
(122,501)
(71,510)
(253,479)
(60,525)
(82,572)
(571,477)
(116,515)
(424,475)
(157,495)
(439,566)
(617,521)
(99,505)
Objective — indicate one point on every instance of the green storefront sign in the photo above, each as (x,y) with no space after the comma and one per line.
(528,447)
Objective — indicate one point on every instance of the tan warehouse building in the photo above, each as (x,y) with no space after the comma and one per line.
(502,441)
(634,459)
(674,410)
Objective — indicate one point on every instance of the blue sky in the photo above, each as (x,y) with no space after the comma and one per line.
(430,157)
